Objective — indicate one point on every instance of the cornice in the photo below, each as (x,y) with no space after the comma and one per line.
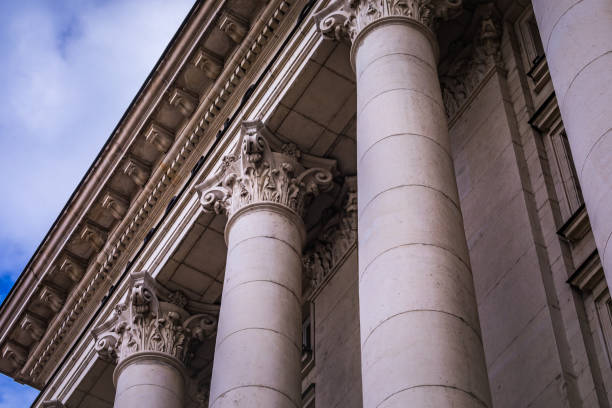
(103,270)
(172,228)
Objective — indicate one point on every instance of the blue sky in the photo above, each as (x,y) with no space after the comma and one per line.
(68,71)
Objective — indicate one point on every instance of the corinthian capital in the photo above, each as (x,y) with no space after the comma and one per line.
(254,173)
(153,319)
(346,18)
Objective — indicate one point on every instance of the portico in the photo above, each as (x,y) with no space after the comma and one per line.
(343,204)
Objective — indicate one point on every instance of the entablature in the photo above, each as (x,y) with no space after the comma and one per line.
(175,114)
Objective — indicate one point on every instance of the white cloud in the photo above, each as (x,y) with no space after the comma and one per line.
(69,70)
(15,395)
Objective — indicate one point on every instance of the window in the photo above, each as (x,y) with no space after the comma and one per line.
(307,338)
(532,40)
(547,120)
(534,60)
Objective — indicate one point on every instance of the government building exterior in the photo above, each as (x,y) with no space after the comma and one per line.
(340,204)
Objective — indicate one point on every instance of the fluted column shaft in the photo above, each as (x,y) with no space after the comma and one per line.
(149,379)
(420,336)
(257,355)
(577,37)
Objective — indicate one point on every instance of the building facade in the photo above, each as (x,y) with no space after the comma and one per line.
(343,203)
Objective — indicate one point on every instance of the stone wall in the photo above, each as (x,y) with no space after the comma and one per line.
(537,343)
(337,349)
(515,313)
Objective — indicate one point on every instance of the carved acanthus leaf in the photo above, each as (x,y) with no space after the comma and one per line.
(346,18)
(256,174)
(334,240)
(148,321)
(466,70)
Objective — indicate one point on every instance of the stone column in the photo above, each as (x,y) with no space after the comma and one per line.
(577,38)
(149,337)
(420,335)
(258,349)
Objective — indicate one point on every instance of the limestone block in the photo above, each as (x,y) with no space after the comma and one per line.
(404,111)
(433,219)
(271,315)
(237,369)
(430,280)
(420,350)
(403,160)
(393,39)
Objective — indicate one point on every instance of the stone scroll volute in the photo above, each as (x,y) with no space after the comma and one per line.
(345,19)
(153,319)
(255,173)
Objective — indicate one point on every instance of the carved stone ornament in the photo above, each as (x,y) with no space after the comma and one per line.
(137,171)
(344,19)
(254,173)
(15,354)
(184,101)
(33,326)
(235,27)
(464,73)
(210,63)
(72,267)
(149,321)
(336,238)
